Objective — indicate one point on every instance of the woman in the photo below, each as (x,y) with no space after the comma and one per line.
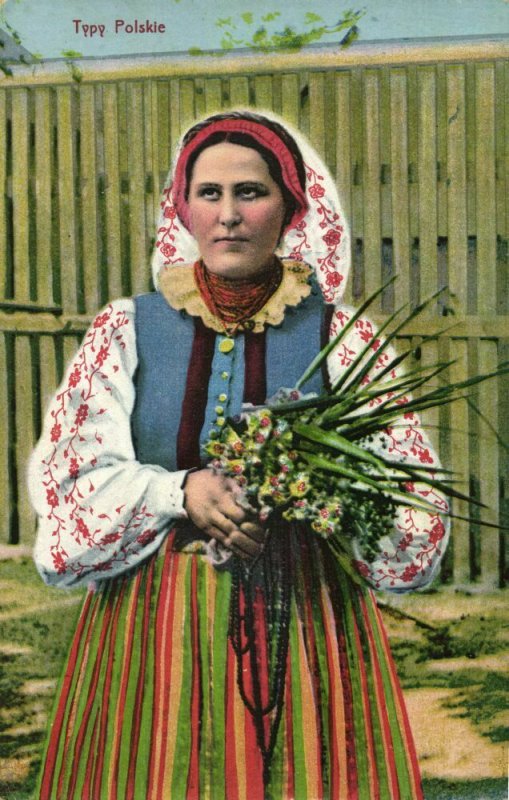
(214,659)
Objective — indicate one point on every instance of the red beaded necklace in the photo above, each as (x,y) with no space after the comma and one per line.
(235,302)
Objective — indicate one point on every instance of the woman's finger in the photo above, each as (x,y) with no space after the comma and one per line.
(254,531)
(242,545)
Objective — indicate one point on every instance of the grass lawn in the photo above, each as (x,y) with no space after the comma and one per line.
(452,653)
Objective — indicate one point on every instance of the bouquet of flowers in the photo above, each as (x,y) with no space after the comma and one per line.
(321,458)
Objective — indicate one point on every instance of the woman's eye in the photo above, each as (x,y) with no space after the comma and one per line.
(250,192)
(209,192)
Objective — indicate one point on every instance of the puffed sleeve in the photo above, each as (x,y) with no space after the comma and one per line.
(100,512)
(410,554)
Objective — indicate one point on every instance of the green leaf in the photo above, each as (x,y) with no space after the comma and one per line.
(311,17)
(272,15)
(325,351)
(357,477)
(337,442)
(247,17)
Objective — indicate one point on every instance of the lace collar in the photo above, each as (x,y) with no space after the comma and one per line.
(178,287)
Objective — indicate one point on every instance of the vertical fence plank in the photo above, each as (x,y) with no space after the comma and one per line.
(70,348)
(503,427)
(20,198)
(199,98)
(290,99)
(239,91)
(136,166)
(460,442)
(357,172)
(212,95)
(441,139)
(427,172)
(43,200)
(66,206)
(489,467)
(470,103)
(317,111)
(371,185)
(501,148)
(5,450)
(502,187)
(413,148)
(456,187)
(187,113)
(485,190)
(24,434)
(385,153)
(430,418)
(330,114)
(112,191)
(344,156)
(264,92)
(4,277)
(88,196)
(174,113)
(163,133)
(152,156)
(343,147)
(48,370)
(399,171)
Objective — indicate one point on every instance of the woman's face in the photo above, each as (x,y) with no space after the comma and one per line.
(236,210)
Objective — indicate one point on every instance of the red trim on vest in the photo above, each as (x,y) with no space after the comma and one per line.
(255,373)
(195,397)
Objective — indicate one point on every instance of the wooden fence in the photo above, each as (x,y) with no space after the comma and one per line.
(418,140)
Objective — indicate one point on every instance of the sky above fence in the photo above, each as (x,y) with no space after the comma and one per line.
(110,27)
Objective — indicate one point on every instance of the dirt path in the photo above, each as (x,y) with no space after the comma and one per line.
(448,745)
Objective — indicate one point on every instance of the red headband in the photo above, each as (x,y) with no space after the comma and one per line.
(264,136)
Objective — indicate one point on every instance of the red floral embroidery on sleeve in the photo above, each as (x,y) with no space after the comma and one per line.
(66,496)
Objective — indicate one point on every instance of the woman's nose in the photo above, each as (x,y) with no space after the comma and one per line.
(229,212)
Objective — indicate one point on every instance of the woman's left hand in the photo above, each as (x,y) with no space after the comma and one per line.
(211,502)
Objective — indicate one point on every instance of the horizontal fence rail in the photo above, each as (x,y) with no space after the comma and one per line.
(420,152)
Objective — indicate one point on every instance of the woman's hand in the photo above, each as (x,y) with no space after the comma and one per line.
(210,500)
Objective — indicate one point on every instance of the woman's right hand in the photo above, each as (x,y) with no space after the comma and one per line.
(211,502)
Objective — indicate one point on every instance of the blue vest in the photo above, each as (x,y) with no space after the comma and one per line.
(164,339)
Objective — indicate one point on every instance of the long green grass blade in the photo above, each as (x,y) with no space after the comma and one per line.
(336,442)
(324,352)
(366,368)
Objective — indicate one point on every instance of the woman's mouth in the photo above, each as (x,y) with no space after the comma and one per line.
(231,239)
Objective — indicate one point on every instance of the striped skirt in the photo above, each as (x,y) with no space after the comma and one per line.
(149,707)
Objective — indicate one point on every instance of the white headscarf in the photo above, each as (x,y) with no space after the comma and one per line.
(321,238)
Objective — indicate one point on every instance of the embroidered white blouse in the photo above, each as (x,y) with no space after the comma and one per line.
(101,512)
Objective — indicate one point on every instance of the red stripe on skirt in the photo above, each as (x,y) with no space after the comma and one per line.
(254,761)
(78,747)
(124,683)
(290,792)
(193,778)
(140,686)
(106,696)
(368,721)
(410,746)
(87,783)
(231,735)
(353,784)
(379,688)
(315,675)
(56,730)
(162,669)
(333,702)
